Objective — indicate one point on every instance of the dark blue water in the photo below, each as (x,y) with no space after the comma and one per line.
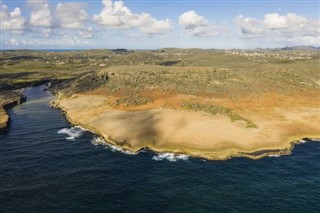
(42,171)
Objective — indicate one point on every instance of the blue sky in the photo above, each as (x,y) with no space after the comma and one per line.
(134,24)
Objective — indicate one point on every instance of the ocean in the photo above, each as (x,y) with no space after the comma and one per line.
(46,165)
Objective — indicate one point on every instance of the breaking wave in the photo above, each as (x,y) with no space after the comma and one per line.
(274,155)
(305,140)
(73,133)
(99,141)
(302,141)
(170,157)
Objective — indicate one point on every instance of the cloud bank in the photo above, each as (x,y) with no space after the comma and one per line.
(117,15)
(73,23)
(195,24)
(72,15)
(12,21)
(291,27)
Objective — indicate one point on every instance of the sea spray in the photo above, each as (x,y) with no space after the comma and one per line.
(72,133)
(99,141)
(274,155)
(159,157)
(170,157)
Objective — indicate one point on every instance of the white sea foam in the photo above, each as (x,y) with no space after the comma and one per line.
(73,133)
(170,157)
(274,155)
(302,141)
(99,141)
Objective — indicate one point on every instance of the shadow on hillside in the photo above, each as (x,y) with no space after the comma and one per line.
(134,128)
(168,63)
(15,75)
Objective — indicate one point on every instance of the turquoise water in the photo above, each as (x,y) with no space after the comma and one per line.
(47,166)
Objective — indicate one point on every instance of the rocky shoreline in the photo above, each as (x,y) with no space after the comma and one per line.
(107,122)
(9,99)
(251,155)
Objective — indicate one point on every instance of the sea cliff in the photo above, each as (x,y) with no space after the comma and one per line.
(8,99)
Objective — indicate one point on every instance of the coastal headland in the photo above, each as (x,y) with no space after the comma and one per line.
(255,127)
(212,104)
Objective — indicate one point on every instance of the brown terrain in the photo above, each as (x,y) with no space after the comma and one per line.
(165,125)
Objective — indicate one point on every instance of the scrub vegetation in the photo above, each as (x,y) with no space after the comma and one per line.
(133,76)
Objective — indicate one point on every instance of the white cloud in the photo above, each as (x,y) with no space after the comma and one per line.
(290,27)
(275,21)
(41,15)
(72,15)
(62,42)
(86,33)
(36,4)
(46,32)
(154,26)
(249,25)
(291,21)
(195,24)
(191,20)
(14,42)
(274,24)
(116,14)
(13,21)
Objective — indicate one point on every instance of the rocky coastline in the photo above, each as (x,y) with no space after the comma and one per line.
(9,99)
